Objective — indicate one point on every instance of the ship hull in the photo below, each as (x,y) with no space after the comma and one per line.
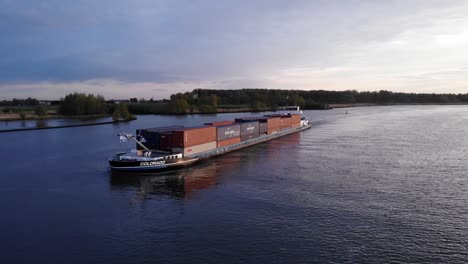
(150,166)
(155,166)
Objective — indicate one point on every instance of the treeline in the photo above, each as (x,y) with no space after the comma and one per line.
(80,104)
(20,102)
(83,104)
(311,99)
(211,101)
(180,103)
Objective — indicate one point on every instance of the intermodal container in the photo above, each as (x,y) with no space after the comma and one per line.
(195,149)
(229,142)
(150,137)
(294,125)
(263,128)
(295,118)
(220,123)
(273,121)
(285,122)
(226,132)
(192,136)
(152,140)
(249,130)
(273,130)
(165,141)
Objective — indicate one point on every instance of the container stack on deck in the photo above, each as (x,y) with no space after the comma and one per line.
(249,128)
(228,134)
(295,120)
(152,136)
(194,140)
(285,122)
(273,125)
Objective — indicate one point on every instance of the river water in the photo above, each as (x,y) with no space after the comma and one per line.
(379,184)
(42,123)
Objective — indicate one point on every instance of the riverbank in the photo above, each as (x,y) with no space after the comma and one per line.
(67,126)
(32,116)
(332,106)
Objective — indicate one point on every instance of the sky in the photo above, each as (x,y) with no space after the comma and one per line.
(152,49)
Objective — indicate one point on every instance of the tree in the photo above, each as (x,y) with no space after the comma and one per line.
(82,104)
(121,112)
(40,110)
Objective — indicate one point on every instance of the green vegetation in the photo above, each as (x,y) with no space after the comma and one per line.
(82,104)
(40,110)
(121,113)
(213,101)
(178,104)
(20,102)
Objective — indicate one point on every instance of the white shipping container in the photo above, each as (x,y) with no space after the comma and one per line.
(188,151)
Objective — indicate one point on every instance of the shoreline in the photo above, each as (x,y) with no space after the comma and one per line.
(17,117)
(66,126)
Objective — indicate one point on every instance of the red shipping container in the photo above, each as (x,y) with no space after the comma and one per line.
(228,142)
(295,118)
(188,137)
(274,122)
(285,122)
(273,130)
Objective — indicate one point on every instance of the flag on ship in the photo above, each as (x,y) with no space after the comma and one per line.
(123,138)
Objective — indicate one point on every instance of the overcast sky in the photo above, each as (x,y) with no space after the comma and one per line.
(150,48)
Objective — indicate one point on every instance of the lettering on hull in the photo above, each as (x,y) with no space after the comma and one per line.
(152,163)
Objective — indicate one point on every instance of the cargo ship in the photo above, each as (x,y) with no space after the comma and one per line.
(174,147)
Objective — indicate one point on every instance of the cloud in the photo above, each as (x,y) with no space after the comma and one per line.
(273,44)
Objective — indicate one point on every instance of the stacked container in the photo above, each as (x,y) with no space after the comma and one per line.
(249,130)
(165,141)
(151,137)
(229,142)
(285,122)
(192,150)
(193,140)
(263,126)
(191,136)
(273,123)
(295,120)
(228,134)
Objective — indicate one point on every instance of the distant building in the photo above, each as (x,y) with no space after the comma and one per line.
(45,102)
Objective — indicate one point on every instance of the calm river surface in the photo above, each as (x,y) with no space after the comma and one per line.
(381,184)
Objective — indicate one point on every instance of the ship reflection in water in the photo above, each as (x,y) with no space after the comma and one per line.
(182,184)
(176,184)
